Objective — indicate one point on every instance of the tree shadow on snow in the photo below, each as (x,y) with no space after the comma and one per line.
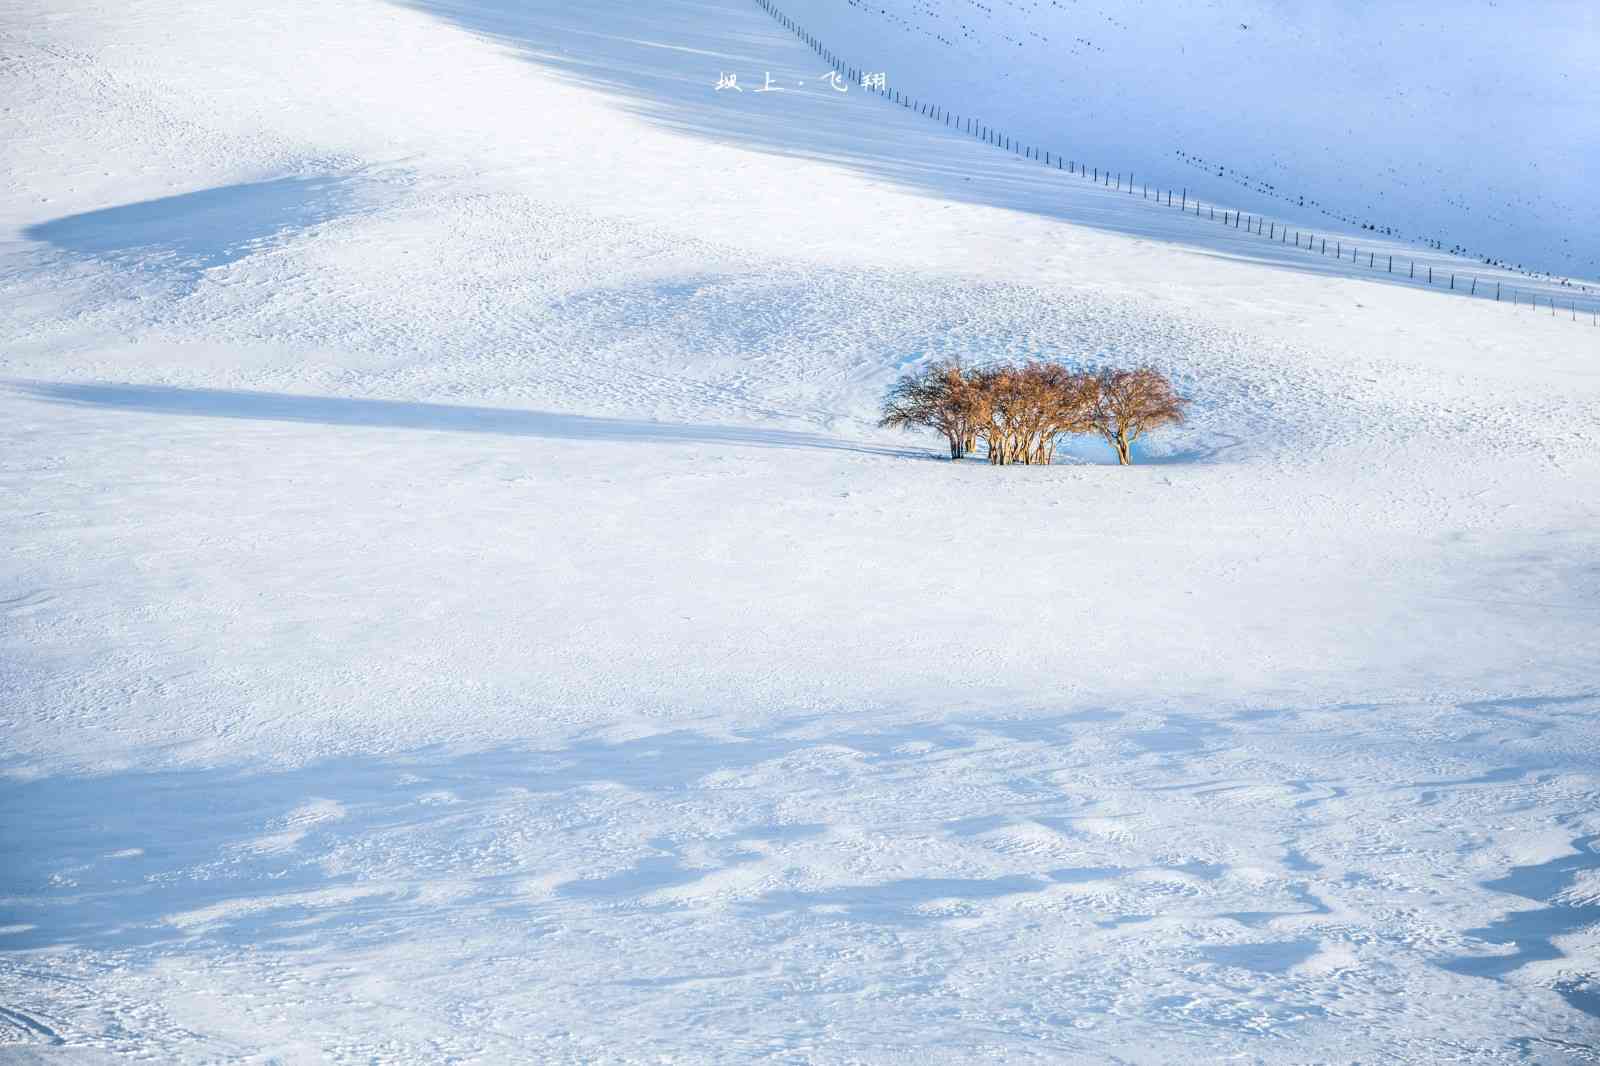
(512,422)
(450,418)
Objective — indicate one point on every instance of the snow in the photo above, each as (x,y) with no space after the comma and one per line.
(457,607)
(1466,125)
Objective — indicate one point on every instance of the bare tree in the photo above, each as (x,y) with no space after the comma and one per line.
(1064,403)
(1022,411)
(1129,403)
(939,397)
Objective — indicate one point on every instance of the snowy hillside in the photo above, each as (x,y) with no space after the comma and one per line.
(1464,126)
(456,604)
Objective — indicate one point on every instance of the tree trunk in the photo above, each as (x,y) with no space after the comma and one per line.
(1122,450)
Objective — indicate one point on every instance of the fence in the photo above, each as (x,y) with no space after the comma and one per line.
(1267,229)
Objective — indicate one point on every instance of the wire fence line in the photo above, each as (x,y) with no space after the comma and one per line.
(1425,274)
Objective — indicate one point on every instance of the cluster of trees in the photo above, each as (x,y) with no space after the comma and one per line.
(1020,412)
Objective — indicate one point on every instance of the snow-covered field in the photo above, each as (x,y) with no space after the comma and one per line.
(1468,125)
(455,606)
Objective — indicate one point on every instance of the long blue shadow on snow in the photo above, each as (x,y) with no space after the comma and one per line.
(661,61)
(137,859)
(116,860)
(451,418)
(143,859)
(1533,931)
(208,228)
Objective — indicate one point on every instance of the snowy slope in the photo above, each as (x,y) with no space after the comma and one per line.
(1465,126)
(454,602)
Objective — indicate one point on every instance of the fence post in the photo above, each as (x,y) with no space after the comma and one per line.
(1184,205)
(1497,292)
(1391,264)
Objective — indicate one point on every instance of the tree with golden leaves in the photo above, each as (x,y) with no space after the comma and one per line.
(1129,403)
